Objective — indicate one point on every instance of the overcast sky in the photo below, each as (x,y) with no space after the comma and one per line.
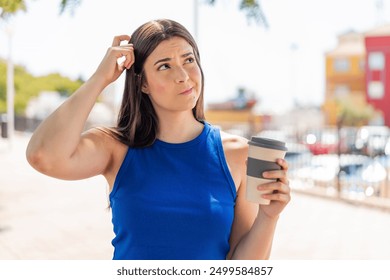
(233,52)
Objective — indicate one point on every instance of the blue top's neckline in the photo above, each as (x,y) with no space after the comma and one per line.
(197,139)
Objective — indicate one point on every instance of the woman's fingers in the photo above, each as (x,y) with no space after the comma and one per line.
(283,163)
(280,175)
(125,54)
(279,191)
(129,57)
(275,186)
(124,50)
(282,197)
(280,186)
(118,39)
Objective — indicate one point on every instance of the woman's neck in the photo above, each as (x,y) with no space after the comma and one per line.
(178,128)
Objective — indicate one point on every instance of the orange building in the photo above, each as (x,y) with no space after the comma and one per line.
(345,75)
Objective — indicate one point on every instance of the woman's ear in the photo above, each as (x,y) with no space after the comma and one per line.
(145,88)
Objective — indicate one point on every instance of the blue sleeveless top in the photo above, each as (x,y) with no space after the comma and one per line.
(174,201)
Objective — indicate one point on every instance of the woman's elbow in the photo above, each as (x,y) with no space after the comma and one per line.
(38,159)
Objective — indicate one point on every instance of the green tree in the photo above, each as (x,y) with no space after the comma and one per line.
(69,5)
(10,7)
(252,8)
(3,87)
(351,114)
(27,86)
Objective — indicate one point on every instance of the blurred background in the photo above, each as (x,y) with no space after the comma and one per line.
(314,74)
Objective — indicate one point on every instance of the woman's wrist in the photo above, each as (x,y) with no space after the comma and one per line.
(98,81)
(262,216)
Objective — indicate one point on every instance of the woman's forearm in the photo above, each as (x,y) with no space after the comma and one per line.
(257,243)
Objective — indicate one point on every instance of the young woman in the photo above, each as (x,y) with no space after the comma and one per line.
(177,183)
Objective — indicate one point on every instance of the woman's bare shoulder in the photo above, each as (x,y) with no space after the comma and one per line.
(233,141)
(115,149)
(105,141)
(234,144)
(106,137)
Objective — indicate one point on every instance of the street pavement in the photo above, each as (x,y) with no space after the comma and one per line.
(42,218)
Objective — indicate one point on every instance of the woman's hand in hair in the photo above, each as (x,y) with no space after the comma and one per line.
(118,58)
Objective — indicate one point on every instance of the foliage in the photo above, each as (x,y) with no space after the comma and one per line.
(352,115)
(69,4)
(254,11)
(252,8)
(27,86)
(3,88)
(10,7)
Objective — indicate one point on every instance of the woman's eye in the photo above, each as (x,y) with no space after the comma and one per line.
(163,67)
(190,60)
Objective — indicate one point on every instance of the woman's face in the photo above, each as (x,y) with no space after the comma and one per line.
(173,77)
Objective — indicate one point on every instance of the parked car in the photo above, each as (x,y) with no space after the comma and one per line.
(358,175)
(372,140)
(297,156)
(322,141)
(387,147)
(347,140)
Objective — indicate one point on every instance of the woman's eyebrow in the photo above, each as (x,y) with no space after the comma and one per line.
(187,54)
(162,60)
(168,58)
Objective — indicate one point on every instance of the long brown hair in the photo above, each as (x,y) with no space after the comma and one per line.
(137,124)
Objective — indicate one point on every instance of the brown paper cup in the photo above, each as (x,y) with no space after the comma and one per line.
(262,155)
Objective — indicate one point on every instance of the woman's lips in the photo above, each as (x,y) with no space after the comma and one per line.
(187,91)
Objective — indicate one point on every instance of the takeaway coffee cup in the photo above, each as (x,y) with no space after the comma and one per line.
(262,155)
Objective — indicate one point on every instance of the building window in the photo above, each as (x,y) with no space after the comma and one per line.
(376,90)
(341,65)
(376,61)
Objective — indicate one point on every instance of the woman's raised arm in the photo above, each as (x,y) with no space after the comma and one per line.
(58,147)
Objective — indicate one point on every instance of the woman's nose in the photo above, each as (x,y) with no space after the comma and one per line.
(181,75)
